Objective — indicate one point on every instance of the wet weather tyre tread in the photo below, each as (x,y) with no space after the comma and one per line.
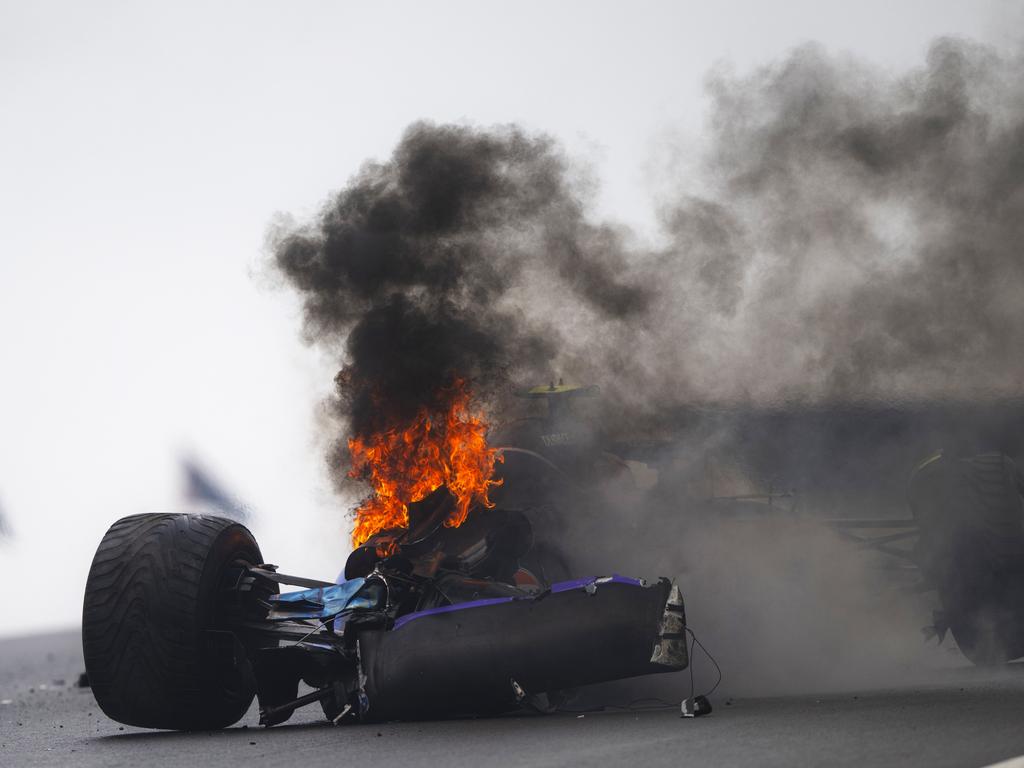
(154,588)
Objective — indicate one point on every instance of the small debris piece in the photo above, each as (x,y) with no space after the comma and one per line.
(252,743)
(518,692)
(698,706)
(83,680)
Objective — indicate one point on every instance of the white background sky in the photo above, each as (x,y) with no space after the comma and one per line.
(145,148)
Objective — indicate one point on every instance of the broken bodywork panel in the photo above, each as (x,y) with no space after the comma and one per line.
(480,656)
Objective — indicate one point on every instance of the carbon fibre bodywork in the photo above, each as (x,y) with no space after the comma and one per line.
(480,656)
(484,657)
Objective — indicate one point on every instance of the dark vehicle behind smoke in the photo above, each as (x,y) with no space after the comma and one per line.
(971,549)
(951,527)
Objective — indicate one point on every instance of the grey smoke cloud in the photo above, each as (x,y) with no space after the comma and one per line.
(859,235)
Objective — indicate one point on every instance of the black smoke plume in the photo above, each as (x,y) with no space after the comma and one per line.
(423,264)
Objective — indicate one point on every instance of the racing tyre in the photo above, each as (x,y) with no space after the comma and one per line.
(979,639)
(161,631)
(984,605)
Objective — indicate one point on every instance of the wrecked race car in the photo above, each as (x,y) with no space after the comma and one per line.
(184,623)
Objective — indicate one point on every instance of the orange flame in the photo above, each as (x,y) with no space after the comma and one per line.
(405,465)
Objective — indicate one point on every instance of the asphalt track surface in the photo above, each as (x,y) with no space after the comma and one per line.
(965,717)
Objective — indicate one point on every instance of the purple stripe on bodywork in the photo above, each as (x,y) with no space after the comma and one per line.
(561,586)
(449,609)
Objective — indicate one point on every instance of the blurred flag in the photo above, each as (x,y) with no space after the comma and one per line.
(5,528)
(200,489)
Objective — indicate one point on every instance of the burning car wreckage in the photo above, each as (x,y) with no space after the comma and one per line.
(435,615)
(450,605)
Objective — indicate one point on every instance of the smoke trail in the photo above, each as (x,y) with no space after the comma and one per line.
(846,277)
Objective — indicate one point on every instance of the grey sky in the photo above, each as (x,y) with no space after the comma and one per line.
(145,148)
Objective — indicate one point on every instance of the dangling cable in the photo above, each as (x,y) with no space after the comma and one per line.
(711,658)
(696,704)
